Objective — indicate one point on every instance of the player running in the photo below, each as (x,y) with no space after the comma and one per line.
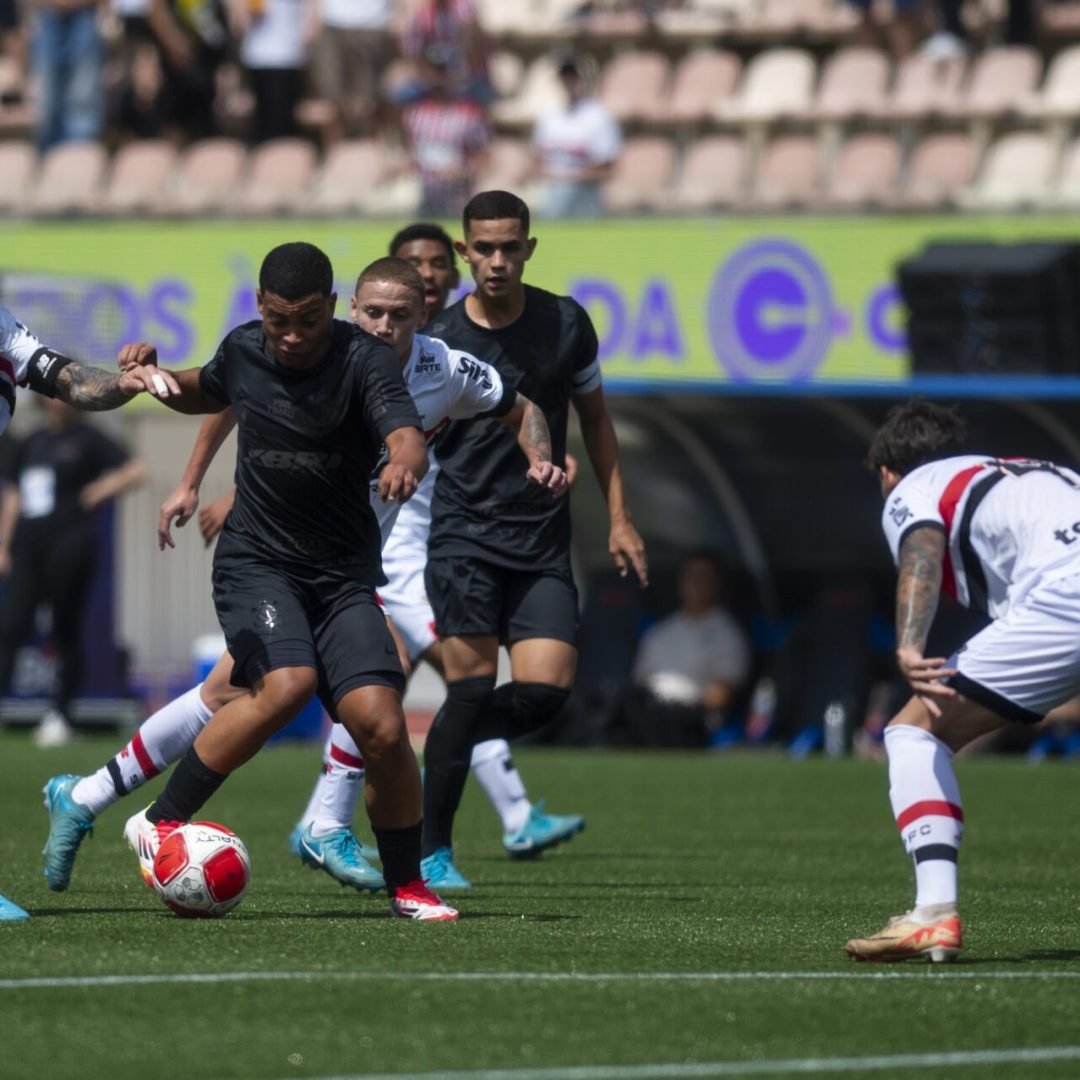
(1001,536)
(25,361)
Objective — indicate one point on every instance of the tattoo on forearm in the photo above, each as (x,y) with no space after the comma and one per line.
(536,437)
(90,388)
(919,585)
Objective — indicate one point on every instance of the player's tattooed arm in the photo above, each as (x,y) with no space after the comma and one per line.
(534,438)
(919,586)
(90,388)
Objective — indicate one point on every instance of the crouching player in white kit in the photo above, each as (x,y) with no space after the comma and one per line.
(25,361)
(1002,536)
(389,303)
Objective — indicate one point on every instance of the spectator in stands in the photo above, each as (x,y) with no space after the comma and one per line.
(576,146)
(275,39)
(13,49)
(448,137)
(351,53)
(905,29)
(60,475)
(191,40)
(691,666)
(449,54)
(68,57)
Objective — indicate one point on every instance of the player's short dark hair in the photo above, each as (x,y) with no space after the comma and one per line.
(424,230)
(495,206)
(293,271)
(914,434)
(396,270)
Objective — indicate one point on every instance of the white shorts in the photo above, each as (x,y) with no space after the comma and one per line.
(405,600)
(1028,661)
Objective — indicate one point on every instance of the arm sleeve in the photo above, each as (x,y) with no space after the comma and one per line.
(212,376)
(476,388)
(385,401)
(910,506)
(585,376)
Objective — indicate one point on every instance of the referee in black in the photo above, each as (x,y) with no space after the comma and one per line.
(297,563)
(498,566)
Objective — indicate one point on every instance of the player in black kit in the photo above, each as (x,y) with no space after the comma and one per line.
(498,566)
(298,560)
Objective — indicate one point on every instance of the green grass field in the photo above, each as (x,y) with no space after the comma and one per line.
(693,930)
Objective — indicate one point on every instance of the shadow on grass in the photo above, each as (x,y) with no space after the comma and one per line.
(1038,956)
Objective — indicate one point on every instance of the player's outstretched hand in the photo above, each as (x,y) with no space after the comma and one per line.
(136,354)
(925,675)
(628,549)
(397,483)
(147,379)
(549,476)
(212,517)
(178,507)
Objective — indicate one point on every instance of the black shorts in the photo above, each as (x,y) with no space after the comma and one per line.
(303,617)
(471,596)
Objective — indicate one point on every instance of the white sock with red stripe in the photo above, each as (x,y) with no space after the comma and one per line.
(333,802)
(161,739)
(495,772)
(926,804)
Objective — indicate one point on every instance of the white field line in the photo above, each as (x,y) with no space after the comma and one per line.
(790,1067)
(924,972)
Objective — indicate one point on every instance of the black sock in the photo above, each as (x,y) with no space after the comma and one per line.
(517,709)
(399,850)
(188,790)
(446,757)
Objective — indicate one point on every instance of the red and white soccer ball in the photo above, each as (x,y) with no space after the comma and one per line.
(202,870)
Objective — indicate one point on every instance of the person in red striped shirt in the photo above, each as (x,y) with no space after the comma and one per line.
(1002,536)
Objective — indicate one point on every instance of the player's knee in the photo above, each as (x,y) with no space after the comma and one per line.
(290,689)
(537,704)
(383,735)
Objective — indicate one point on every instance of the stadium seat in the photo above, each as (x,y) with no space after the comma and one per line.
(1015,174)
(698,20)
(642,175)
(634,85)
(279,179)
(210,171)
(18,162)
(139,177)
(865,173)
(1066,192)
(1002,82)
(509,166)
(353,169)
(70,180)
(853,83)
(941,166)
(778,83)
(926,87)
(507,72)
(713,174)
(701,79)
(1059,98)
(788,175)
(540,92)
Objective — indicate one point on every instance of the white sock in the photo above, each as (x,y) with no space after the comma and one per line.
(161,739)
(926,804)
(495,772)
(338,789)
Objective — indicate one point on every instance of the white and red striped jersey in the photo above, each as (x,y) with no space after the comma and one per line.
(1010,524)
(18,349)
(445,384)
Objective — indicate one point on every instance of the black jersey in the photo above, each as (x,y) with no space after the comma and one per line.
(483,504)
(307,444)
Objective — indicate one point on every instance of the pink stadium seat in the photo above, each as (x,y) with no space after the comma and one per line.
(1015,174)
(642,175)
(71,179)
(788,175)
(279,179)
(701,79)
(1060,94)
(926,87)
(139,177)
(634,84)
(1066,194)
(865,172)
(941,166)
(209,172)
(778,83)
(18,164)
(1002,82)
(351,172)
(713,174)
(540,92)
(853,83)
(509,166)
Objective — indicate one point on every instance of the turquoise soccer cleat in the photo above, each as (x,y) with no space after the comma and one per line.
(367,851)
(540,832)
(339,855)
(439,872)
(69,823)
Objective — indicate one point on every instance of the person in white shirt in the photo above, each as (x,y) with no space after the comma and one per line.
(576,147)
(1003,537)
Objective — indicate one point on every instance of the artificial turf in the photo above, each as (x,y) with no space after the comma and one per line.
(695,927)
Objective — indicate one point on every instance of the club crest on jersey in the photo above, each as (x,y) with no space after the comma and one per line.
(472,370)
(268,614)
(427,364)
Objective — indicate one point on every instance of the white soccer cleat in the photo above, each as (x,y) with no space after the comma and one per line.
(417,901)
(933,933)
(144,838)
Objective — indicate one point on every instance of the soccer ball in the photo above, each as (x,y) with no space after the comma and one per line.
(201,870)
